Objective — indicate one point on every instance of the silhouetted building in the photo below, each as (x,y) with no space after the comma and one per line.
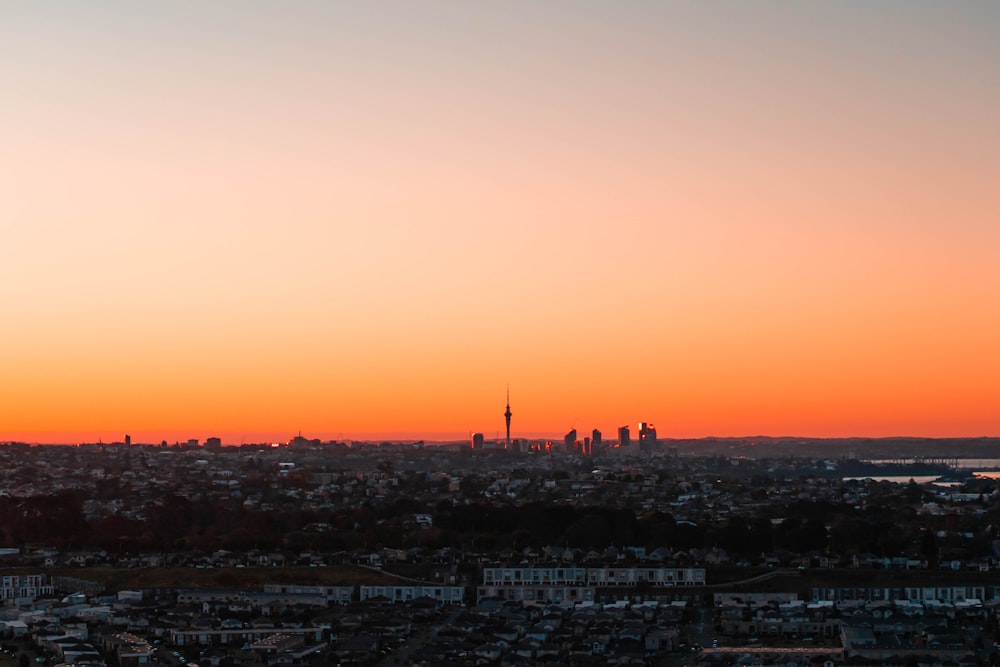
(128,440)
(300,441)
(569,440)
(647,436)
(213,443)
(624,437)
(477,441)
(595,437)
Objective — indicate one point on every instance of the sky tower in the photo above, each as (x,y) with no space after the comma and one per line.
(506,416)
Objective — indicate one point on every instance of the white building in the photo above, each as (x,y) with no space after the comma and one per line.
(522,576)
(573,585)
(29,586)
(653,576)
(446,594)
(333,594)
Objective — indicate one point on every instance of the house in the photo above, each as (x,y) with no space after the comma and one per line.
(489,651)
(16,628)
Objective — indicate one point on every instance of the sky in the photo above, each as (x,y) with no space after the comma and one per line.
(363,220)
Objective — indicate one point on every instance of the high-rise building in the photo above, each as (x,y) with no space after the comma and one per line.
(595,437)
(477,440)
(569,440)
(647,436)
(624,437)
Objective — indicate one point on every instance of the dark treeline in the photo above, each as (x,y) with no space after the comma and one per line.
(886,528)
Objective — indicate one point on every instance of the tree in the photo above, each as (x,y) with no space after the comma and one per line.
(929,546)
(592,530)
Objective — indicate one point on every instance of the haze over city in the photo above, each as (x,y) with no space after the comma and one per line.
(366,220)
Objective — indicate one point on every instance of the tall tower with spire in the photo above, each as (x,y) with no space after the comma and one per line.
(506,416)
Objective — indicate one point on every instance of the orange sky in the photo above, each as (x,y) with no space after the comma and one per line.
(364,221)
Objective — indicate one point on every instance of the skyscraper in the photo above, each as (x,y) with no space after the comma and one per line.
(569,441)
(647,436)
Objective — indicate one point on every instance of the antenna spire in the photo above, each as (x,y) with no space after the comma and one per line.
(506,415)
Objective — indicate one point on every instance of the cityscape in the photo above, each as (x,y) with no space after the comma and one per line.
(500,334)
(640,551)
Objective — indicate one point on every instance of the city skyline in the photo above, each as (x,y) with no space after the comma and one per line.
(731,219)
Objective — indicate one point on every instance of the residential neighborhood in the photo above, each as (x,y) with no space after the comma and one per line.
(319,554)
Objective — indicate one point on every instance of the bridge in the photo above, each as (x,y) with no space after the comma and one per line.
(947,461)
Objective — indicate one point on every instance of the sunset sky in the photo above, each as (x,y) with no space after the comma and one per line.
(365,219)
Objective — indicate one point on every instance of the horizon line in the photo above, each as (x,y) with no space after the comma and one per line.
(450,438)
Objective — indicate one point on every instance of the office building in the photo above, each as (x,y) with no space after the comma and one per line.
(569,441)
(647,436)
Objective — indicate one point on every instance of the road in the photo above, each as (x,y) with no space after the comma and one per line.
(800,650)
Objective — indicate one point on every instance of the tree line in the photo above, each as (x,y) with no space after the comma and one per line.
(178,524)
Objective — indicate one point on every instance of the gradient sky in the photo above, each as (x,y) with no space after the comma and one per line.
(364,219)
